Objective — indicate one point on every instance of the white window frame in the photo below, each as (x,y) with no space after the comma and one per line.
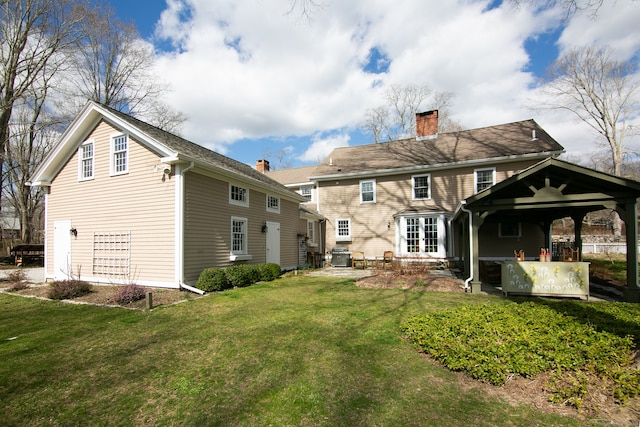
(271,206)
(303,192)
(239,254)
(311,232)
(83,160)
(344,237)
(373,190)
(115,154)
(510,235)
(413,186)
(233,201)
(420,221)
(475,178)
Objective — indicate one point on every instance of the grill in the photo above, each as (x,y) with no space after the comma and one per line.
(340,257)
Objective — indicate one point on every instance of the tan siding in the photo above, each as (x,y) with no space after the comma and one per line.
(139,202)
(372,225)
(208,226)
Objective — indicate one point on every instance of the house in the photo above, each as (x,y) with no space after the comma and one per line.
(402,195)
(127,202)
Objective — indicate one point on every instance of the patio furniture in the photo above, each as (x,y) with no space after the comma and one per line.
(357,258)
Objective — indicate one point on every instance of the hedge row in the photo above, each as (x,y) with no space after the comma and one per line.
(218,279)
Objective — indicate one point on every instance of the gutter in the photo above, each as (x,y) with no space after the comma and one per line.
(471,263)
(180,238)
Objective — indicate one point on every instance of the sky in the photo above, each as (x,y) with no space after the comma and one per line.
(257,78)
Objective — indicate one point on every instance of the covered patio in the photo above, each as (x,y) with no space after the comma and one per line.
(550,190)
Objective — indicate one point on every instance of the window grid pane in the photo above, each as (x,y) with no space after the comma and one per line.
(484,179)
(421,187)
(413,235)
(343,227)
(306,192)
(431,234)
(120,153)
(238,194)
(87,161)
(366,190)
(273,203)
(238,236)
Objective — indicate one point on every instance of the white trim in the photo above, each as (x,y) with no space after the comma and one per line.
(271,209)
(413,186)
(245,239)
(179,189)
(244,203)
(475,177)
(81,160)
(112,153)
(362,181)
(347,238)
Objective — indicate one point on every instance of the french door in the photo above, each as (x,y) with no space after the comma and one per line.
(423,235)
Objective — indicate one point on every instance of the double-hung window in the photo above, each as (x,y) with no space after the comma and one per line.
(238,236)
(368,191)
(421,187)
(306,192)
(484,178)
(85,155)
(343,230)
(311,231)
(238,195)
(119,154)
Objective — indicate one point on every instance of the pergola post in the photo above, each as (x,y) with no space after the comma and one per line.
(630,212)
(476,222)
(577,227)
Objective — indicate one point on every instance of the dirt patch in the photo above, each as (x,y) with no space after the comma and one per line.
(424,281)
(106,295)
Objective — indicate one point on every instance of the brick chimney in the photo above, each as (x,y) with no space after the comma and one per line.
(427,124)
(262,166)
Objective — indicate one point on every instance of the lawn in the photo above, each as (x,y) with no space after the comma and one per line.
(303,351)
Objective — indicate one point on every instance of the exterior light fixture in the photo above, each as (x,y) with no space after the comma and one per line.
(73,232)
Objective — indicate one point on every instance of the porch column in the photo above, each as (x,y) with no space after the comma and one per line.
(630,215)
(476,222)
(577,224)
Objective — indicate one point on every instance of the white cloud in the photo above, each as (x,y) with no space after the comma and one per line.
(321,147)
(247,69)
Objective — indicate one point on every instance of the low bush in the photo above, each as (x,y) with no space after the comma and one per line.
(17,280)
(68,289)
(268,272)
(130,293)
(213,279)
(495,342)
(242,275)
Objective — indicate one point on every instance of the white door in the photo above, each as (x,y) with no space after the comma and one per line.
(61,249)
(273,242)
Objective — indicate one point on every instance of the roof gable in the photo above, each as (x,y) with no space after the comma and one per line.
(168,146)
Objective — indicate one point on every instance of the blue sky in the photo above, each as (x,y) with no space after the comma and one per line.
(255,79)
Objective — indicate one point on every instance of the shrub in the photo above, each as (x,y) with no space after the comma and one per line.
(130,293)
(213,279)
(18,280)
(68,289)
(242,275)
(268,272)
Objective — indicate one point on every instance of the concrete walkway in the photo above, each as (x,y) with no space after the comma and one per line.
(34,274)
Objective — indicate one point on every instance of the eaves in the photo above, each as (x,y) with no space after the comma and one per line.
(437,166)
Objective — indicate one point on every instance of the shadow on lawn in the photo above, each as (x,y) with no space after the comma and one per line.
(600,315)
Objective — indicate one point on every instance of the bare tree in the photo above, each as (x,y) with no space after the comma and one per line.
(33,33)
(31,136)
(112,65)
(397,117)
(568,7)
(600,92)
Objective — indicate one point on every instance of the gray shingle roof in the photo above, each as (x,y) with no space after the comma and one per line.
(500,141)
(293,175)
(197,152)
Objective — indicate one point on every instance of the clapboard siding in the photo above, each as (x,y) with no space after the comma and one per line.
(372,224)
(139,202)
(207,227)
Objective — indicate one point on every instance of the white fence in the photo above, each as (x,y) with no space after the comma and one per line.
(604,248)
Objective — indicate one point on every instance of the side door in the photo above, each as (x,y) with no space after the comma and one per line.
(62,249)
(273,242)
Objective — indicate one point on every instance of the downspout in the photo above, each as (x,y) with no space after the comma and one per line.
(180,238)
(471,272)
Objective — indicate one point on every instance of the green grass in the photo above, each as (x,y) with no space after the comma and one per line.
(297,351)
